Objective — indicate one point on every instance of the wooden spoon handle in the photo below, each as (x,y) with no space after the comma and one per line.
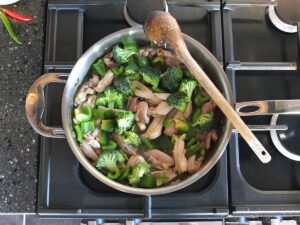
(223,104)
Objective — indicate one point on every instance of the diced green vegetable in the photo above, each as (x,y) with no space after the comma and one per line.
(194,149)
(124,173)
(147,181)
(138,172)
(168,121)
(83,114)
(108,125)
(147,143)
(142,61)
(103,139)
(191,142)
(99,67)
(158,59)
(111,145)
(78,133)
(196,114)
(98,114)
(181,125)
(118,70)
(88,126)
(130,44)
(161,180)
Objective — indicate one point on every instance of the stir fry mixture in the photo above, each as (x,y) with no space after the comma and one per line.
(142,119)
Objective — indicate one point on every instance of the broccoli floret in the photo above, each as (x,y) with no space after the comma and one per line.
(204,121)
(114,98)
(172,78)
(150,76)
(132,138)
(178,100)
(130,44)
(125,121)
(138,172)
(109,160)
(122,85)
(200,99)
(131,68)
(121,55)
(187,87)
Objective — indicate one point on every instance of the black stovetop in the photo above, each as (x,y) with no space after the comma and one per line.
(239,184)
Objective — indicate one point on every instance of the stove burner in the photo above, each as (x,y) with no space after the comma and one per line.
(287,141)
(136,11)
(285,15)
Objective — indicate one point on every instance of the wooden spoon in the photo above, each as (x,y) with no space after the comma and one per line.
(163,30)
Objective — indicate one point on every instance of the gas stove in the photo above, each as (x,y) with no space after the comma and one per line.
(260,62)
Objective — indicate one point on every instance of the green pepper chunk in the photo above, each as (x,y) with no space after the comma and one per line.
(142,61)
(103,139)
(78,133)
(161,180)
(168,121)
(147,181)
(181,125)
(130,44)
(124,174)
(99,67)
(107,125)
(88,126)
(191,142)
(194,149)
(114,175)
(148,144)
(111,145)
(98,114)
(158,59)
(118,70)
(83,114)
(196,114)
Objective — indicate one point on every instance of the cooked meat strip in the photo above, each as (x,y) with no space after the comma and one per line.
(134,160)
(179,155)
(170,173)
(162,109)
(193,164)
(82,94)
(171,130)
(91,101)
(141,90)
(141,115)
(105,81)
(207,141)
(109,63)
(132,103)
(188,111)
(128,149)
(88,151)
(155,128)
(208,107)
(159,159)
(214,135)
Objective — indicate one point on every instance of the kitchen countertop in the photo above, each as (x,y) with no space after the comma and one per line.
(20,66)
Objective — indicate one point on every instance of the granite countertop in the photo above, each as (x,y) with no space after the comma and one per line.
(20,66)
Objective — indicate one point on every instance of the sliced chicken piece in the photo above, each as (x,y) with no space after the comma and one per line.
(109,63)
(134,160)
(162,96)
(201,136)
(170,173)
(193,164)
(93,82)
(208,107)
(142,126)
(155,128)
(132,103)
(82,94)
(179,155)
(105,81)
(214,135)
(128,149)
(141,90)
(146,51)
(141,115)
(95,133)
(207,141)
(162,109)
(88,151)
(188,111)
(91,101)
(91,140)
(170,59)
(154,101)
(159,159)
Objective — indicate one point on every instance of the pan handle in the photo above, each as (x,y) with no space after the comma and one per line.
(35,105)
